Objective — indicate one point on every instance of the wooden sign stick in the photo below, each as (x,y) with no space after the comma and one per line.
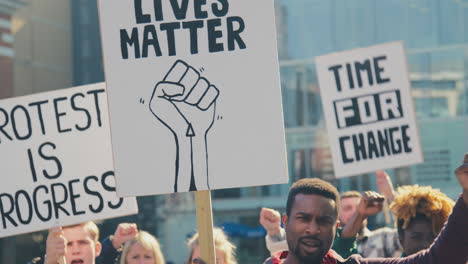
(205,226)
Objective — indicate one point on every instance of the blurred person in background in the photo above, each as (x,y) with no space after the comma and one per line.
(224,249)
(144,248)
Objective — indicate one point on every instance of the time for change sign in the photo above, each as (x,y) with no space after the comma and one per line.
(56,161)
(194,94)
(368,109)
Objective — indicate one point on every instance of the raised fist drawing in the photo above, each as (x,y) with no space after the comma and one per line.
(186,104)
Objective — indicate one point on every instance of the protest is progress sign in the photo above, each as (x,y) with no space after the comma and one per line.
(194,94)
(56,161)
(369,109)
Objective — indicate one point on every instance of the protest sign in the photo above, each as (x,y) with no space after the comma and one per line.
(368,109)
(57,161)
(194,95)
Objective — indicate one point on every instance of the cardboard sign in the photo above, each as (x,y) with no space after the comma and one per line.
(369,109)
(194,94)
(56,161)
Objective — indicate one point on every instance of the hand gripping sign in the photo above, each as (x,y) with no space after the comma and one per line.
(186,104)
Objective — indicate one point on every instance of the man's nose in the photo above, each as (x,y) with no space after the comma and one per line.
(75,249)
(313,228)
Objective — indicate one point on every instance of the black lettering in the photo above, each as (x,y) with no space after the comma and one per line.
(100,206)
(193,26)
(109,188)
(18,207)
(350,75)
(32,166)
(336,74)
(233,35)
(150,38)
(158,10)
(5,117)
(76,108)
(96,103)
(57,204)
(372,146)
(383,142)
(59,114)
(39,113)
(213,35)
(199,13)
(169,28)
(343,150)
(74,196)
(28,122)
(7,212)
(52,158)
(139,16)
(378,70)
(46,202)
(366,66)
(126,41)
(359,147)
(395,149)
(220,11)
(405,138)
(180,12)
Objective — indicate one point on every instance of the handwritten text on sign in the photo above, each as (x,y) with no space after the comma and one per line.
(369,109)
(58,167)
(148,38)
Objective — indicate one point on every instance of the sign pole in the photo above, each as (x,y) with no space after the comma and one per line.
(205,226)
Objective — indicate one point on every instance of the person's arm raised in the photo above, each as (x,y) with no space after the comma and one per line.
(371,203)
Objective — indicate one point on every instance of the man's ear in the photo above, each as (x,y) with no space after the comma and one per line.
(285,220)
(337,224)
(97,248)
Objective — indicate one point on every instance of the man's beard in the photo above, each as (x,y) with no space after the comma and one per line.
(316,258)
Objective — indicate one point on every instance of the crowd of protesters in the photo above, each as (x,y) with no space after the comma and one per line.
(320,226)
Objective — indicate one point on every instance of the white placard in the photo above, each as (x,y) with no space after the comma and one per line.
(56,158)
(194,94)
(368,109)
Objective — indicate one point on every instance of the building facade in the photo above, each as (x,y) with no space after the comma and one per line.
(57,44)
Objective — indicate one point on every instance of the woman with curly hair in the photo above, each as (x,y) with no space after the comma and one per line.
(420,213)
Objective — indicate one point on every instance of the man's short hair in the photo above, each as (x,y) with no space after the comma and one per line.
(351,194)
(90,227)
(313,186)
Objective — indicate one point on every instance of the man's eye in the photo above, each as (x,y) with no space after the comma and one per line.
(148,257)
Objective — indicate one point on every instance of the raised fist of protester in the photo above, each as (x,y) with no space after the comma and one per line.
(55,246)
(270,219)
(124,233)
(384,184)
(371,203)
(462,176)
(184,101)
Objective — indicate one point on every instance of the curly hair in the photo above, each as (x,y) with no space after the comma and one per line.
(415,201)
